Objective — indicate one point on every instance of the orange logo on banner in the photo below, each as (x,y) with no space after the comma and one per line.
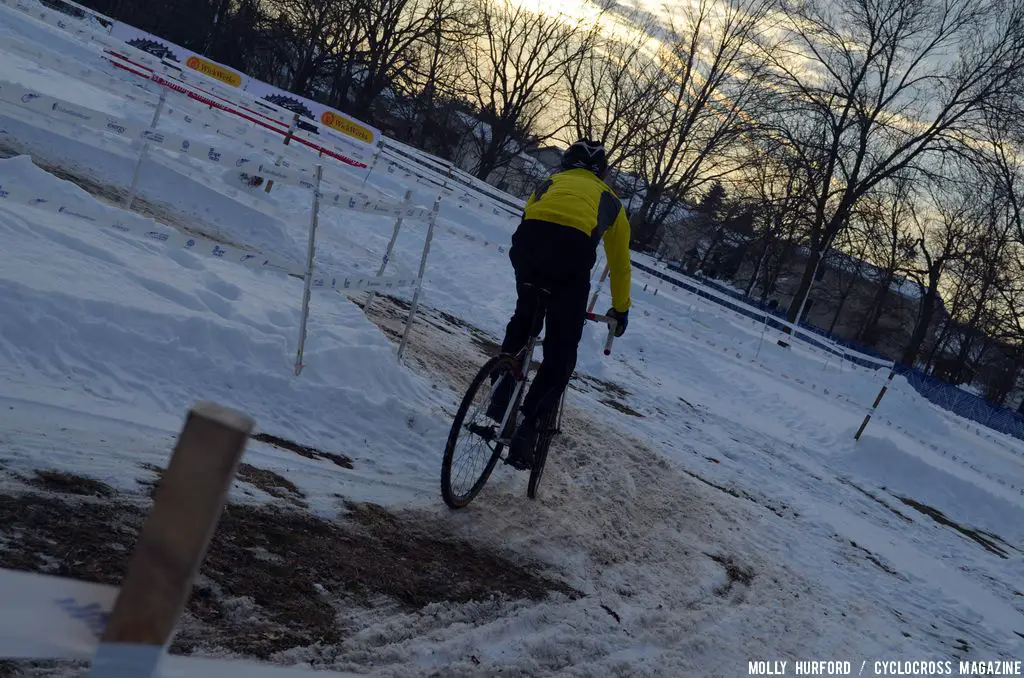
(346,126)
(214,71)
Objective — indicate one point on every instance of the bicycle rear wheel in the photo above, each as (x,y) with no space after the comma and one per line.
(540,455)
(470,455)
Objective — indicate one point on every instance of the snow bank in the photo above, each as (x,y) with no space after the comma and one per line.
(137,326)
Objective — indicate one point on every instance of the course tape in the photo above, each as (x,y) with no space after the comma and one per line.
(135,91)
(258,139)
(130,224)
(195,86)
(463,197)
(35,101)
(288,169)
(361,203)
(747,312)
(478,240)
(445,173)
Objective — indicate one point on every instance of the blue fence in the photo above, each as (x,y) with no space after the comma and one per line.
(967,405)
(946,396)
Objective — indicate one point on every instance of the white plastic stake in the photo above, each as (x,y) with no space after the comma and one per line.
(387,255)
(373,165)
(597,292)
(874,406)
(133,190)
(287,140)
(761,340)
(419,284)
(310,257)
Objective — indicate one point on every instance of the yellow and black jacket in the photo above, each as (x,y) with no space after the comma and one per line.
(579,200)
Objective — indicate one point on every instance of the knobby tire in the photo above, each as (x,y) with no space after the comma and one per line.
(498,364)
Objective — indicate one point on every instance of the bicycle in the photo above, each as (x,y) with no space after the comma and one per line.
(472,426)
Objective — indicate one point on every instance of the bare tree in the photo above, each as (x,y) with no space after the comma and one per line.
(776,182)
(511,74)
(848,267)
(980,278)
(436,72)
(391,32)
(890,247)
(708,70)
(310,35)
(614,91)
(943,238)
(891,83)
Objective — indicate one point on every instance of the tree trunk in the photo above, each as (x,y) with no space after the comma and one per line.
(715,242)
(490,154)
(940,345)
(806,280)
(757,270)
(924,321)
(839,311)
(877,308)
(641,226)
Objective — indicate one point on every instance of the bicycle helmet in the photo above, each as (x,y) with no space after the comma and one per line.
(586,154)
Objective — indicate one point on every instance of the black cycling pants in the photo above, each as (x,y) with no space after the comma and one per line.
(557,259)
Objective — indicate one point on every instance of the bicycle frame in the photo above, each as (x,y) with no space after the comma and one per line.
(526,360)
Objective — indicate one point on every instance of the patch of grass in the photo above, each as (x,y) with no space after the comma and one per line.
(89,541)
(611,612)
(288,570)
(272,483)
(70,483)
(876,498)
(987,540)
(876,560)
(303,450)
(621,407)
(736,573)
(740,494)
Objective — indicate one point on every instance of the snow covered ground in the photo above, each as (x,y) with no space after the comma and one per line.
(708,503)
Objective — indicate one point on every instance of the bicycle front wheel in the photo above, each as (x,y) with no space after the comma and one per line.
(473,448)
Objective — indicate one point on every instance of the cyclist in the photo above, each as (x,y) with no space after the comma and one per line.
(554,248)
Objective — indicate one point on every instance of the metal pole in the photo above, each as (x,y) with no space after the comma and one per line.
(133,189)
(387,254)
(597,292)
(874,406)
(310,256)
(419,278)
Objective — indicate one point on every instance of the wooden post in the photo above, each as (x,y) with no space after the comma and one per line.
(867,417)
(173,542)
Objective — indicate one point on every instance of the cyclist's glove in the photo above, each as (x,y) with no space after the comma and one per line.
(621,319)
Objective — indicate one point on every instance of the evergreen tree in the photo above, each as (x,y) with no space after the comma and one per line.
(713,201)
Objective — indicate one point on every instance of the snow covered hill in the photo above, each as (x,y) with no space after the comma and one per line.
(707,507)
